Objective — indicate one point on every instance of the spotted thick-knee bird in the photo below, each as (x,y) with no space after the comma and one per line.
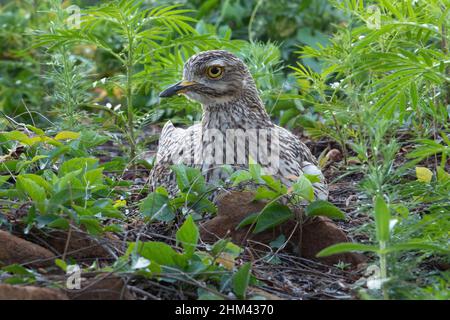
(235,128)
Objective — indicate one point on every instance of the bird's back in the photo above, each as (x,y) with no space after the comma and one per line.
(178,145)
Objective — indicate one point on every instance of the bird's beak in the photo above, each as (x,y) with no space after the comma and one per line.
(178,87)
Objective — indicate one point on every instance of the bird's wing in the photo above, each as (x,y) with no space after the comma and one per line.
(296,150)
(168,141)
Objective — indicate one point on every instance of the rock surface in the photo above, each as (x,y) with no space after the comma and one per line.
(10,292)
(16,250)
(316,234)
(102,287)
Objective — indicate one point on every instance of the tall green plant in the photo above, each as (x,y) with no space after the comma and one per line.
(384,224)
(134,33)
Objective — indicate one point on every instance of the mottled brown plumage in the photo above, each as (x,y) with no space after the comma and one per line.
(231,105)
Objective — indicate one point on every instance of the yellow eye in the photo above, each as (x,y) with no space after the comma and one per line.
(214,72)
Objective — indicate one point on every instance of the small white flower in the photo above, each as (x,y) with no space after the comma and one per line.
(94,84)
(103,80)
(117,107)
(109,105)
(141,263)
(361,37)
(392,223)
(335,85)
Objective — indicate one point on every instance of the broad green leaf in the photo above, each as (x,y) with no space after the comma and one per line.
(313,178)
(255,170)
(94,177)
(38,131)
(61,263)
(224,245)
(70,181)
(274,184)
(74,164)
(241,279)
(189,179)
(324,208)
(424,174)
(3,179)
(156,207)
(382,218)
(34,191)
(39,180)
(59,223)
(262,192)
(303,187)
(346,247)
(67,135)
(155,251)
(248,220)
(15,135)
(273,214)
(92,224)
(188,236)
(240,176)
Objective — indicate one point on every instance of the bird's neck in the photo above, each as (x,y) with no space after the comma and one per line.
(244,112)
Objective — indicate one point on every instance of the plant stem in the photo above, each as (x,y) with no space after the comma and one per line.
(129,89)
(383,269)
(341,137)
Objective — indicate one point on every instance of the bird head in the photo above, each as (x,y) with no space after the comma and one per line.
(213,77)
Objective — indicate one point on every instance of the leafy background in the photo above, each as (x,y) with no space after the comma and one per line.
(80,112)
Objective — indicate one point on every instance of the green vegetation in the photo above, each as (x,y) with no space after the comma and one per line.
(79,113)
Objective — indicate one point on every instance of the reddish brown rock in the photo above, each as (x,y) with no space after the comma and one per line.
(101,287)
(16,250)
(316,234)
(334,155)
(80,245)
(10,292)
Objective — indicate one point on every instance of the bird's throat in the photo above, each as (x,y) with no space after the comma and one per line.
(242,113)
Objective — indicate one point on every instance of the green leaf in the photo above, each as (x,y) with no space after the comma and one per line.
(382,218)
(248,220)
(156,207)
(34,191)
(155,251)
(18,270)
(346,247)
(241,279)
(67,135)
(324,208)
(39,180)
(3,179)
(255,170)
(94,177)
(303,187)
(15,135)
(74,164)
(414,95)
(273,214)
(61,263)
(189,179)
(188,236)
(410,246)
(240,176)
(265,193)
